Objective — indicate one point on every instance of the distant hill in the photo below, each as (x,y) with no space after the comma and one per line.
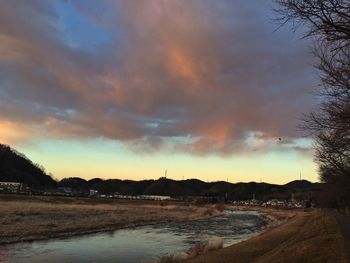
(302,184)
(16,167)
(194,187)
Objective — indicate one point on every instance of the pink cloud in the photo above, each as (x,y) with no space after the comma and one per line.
(197,75)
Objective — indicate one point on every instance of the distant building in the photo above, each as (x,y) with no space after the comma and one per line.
(65,190)
(93,192)
(143,197)
(276,203)
(12,187)
(155,197)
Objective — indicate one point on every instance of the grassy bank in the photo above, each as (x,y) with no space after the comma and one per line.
(33,218)
(307,237)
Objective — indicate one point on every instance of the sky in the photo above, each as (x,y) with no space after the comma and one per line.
(213,90)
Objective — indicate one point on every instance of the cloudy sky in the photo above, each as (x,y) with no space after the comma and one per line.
(127,89)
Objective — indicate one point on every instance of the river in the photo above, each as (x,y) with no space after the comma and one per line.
(138,244)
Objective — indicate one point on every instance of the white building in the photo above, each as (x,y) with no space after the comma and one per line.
(143,197)
(12,187)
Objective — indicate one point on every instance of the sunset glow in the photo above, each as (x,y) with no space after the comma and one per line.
(126,89)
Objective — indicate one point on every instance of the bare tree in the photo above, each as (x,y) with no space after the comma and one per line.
(328,24)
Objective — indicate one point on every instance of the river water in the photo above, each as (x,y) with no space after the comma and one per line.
(139,244)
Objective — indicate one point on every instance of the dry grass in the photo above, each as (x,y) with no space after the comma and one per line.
(40,219)
(198,249)
(307,237)
(204,247)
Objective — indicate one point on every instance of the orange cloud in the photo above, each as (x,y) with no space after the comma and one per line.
(181,65)
(219,131)
(13,133)
(198,74)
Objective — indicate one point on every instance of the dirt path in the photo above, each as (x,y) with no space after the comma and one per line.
(344,225)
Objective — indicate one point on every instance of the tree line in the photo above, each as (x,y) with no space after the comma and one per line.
(328,24)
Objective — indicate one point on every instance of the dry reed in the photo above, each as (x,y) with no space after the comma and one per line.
(40,219)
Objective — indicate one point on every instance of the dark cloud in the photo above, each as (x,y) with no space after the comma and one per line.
(195,76)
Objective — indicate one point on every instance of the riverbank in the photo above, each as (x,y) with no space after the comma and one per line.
(26,218)
(307,237)
(273,217)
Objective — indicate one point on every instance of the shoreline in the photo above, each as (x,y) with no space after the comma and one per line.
(39,221)
(274,217)
(291,235)
(308,236)
(96,231)
(271,220)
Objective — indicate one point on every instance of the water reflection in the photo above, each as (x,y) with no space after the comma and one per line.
(138,244)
